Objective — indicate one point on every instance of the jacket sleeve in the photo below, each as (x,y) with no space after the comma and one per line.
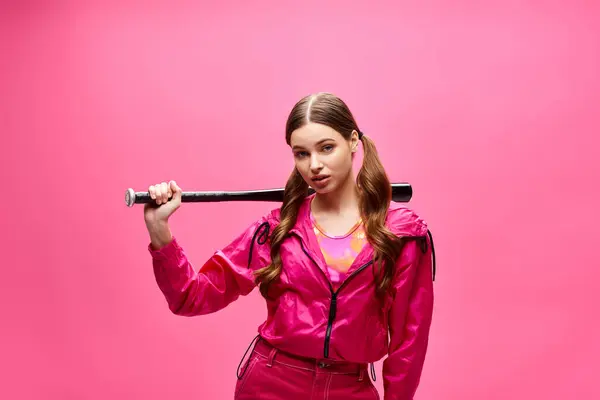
(409,320)
(225,276)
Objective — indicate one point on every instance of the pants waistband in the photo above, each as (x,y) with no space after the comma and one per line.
(274,355)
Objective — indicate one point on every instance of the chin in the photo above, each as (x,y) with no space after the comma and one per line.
(322,191)
(331,187)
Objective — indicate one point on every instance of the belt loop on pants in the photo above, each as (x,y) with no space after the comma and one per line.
(271,357)
(361,375)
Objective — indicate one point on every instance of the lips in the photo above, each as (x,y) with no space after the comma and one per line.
(320,181)
(318,178)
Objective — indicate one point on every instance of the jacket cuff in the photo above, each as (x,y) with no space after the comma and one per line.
(169,250)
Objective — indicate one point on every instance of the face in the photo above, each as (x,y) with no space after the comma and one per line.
(322,156)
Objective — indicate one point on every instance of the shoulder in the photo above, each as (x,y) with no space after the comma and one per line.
(401,219)
(404,221)
(272,216)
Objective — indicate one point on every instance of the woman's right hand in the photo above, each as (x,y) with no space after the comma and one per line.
(159,210)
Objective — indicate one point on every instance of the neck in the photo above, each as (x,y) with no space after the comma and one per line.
(342,201)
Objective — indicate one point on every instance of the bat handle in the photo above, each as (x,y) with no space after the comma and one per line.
(132,198)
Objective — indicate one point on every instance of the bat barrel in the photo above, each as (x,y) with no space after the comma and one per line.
(401,192)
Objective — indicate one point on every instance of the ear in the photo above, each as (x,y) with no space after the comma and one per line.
(354,141)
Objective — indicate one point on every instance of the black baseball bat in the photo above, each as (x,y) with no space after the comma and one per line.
(401,193)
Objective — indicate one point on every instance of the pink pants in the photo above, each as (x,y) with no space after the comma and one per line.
(271,374)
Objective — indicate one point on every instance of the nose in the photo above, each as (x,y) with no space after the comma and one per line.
(315,164)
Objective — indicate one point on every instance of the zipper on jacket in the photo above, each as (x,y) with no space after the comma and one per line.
(333,307)
(334,295)
(332,312)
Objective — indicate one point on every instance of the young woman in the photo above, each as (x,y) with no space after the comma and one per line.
(340,270)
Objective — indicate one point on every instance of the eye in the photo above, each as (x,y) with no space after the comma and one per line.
(327,148)
(300,154)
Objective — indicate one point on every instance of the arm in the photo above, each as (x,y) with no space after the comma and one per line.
(409,323)
(221,280)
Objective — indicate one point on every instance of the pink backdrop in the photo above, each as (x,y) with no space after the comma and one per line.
(489,111)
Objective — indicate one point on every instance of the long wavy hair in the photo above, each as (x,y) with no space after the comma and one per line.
(373,187)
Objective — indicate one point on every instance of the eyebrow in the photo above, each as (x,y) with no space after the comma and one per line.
(316,144)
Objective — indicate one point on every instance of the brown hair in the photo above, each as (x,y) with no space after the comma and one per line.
(373,187)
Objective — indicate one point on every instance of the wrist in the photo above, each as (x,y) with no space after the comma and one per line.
(160,234)
(157,225)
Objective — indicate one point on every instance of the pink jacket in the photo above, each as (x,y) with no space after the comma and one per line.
(308,317)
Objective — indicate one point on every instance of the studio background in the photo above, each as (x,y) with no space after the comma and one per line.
(489,109)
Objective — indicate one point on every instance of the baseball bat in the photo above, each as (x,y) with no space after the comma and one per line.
(401,193)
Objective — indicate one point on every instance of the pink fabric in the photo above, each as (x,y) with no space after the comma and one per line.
(305,316)
(340,251)
(271,375)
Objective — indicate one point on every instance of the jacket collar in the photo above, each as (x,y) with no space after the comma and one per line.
(305,230)
(400,220)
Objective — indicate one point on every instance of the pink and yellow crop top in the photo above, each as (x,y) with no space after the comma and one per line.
(339,251)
